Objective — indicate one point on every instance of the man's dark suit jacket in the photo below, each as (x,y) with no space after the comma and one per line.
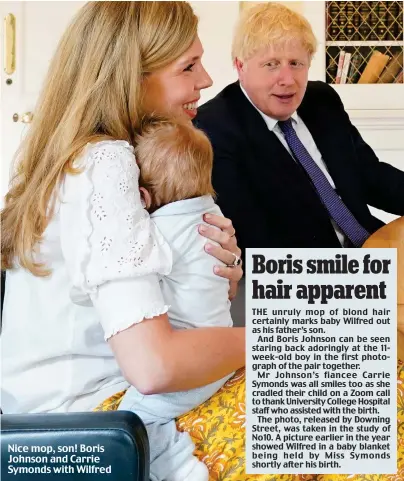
(268,196)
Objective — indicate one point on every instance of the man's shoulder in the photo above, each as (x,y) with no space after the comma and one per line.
(219,117)
(319,92)
(225,103)
(221,104)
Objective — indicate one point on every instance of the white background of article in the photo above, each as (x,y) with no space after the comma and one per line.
(348,466)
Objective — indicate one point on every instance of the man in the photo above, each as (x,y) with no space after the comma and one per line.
(290,169)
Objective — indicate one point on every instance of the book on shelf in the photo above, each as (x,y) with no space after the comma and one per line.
(396,27)
(333,27)
(357,22)
(374,68)
(354,72)
(345,67)
(349,29)
(332,71)
(340,66)
(381,68)
(364,28)
(399,78)
(366,21)
(342,21)
(370,22)
(373,22)
(392,69)
(384,18)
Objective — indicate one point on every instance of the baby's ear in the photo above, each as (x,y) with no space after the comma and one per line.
(146,197)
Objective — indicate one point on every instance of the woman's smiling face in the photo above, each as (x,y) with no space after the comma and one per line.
(175,89)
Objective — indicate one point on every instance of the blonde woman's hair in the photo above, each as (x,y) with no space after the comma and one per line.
(175,161)
(269,24)
(93,91)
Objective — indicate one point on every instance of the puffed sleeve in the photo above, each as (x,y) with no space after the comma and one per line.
(114,253)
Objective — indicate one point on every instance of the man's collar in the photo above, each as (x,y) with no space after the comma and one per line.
(271,123)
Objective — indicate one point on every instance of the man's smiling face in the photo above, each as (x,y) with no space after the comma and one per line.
(275,78)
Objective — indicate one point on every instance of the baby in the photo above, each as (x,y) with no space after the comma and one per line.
(175,161)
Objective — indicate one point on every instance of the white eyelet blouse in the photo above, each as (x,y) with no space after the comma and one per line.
(54,354)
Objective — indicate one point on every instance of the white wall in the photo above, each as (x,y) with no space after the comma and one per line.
(216,24)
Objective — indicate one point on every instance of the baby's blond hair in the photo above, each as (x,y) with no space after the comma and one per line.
(175,161)
(269,24)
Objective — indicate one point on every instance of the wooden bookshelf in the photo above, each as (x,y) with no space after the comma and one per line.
(376,109)
(364,42)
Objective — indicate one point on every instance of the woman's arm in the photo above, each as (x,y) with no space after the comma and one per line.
(225,251)
(117,268)
(156,358)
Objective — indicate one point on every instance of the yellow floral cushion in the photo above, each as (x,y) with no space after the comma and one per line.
(217,428)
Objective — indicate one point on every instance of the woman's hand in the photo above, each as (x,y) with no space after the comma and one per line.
(227,252)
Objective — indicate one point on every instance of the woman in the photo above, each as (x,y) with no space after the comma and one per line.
(73,212)
(83,315)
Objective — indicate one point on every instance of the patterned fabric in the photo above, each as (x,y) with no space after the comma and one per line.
(112,403)
(399,476)
(332,202)
(119,241)
(217,428)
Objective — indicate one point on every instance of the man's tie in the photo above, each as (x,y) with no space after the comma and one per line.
(331,200)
